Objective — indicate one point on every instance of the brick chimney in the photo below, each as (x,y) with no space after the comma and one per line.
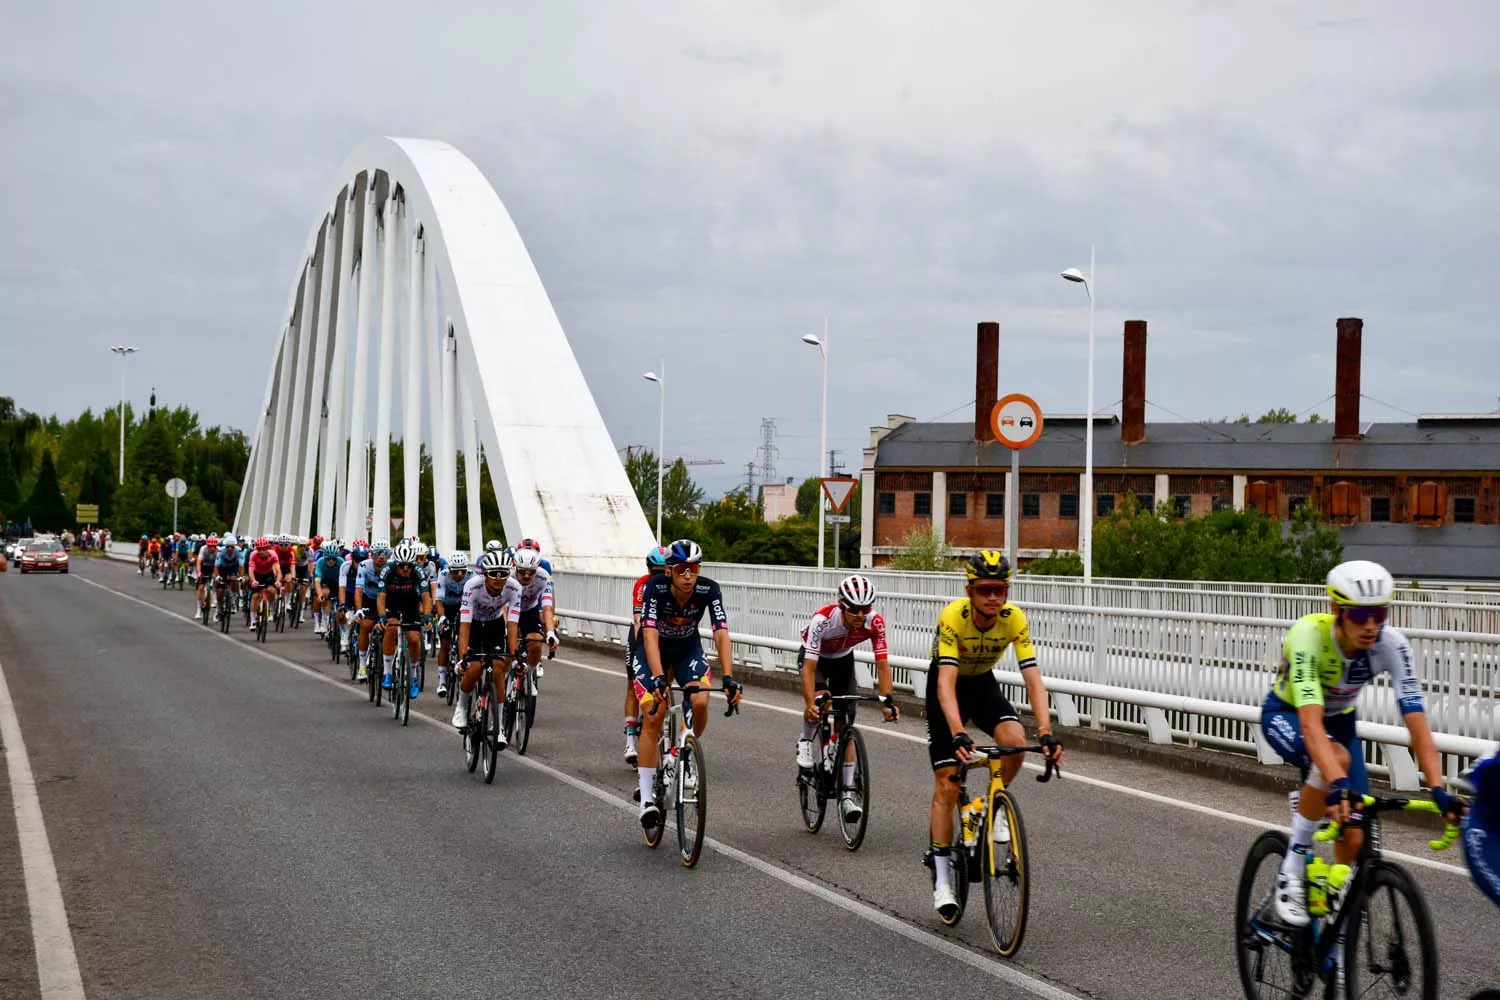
(986,380)
(1346,380)
(1133,394)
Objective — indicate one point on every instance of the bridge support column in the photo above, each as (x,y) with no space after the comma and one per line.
(411,412)
(357,487)
(393,242)
(472,470)
(331,485)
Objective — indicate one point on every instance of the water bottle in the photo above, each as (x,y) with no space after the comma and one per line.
(1338,877)
(969,820)
(1317,887)
(829,749)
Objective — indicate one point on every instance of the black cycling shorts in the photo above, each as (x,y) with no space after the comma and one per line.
(531,622)
(980,702)
(486,636)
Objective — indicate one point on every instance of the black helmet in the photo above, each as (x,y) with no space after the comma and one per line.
(988,564)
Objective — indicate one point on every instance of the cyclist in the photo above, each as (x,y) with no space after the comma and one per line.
(153,555)
(535,546)
(827,658)
(672,606)
(1309,716)
(529,591)
(451,593)
(203,567)
(656,564)
(482,626)
(265,572)
(349,584)
(182,551)
(972,634)
(226,569)
(367,594)
(1481,835)
(142,552)
(327,613)
(403,598)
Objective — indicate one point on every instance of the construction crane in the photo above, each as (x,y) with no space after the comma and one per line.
(630,449)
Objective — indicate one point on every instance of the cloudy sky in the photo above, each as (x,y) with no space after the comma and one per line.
(710,180)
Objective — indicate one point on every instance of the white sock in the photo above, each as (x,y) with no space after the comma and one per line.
(390,661)
(942,864)
(1303,830)
(848,772)
(809,729)
(648,779)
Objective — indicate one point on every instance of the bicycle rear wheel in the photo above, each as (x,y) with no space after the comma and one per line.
(1387,944)
(854,832)
(1274,960)
(525,713)
(491,732)
(1005,869)
(810,795)
(692,800)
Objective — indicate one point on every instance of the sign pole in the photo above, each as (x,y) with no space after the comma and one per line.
(1012,506)
(1017,422)
(836,526)
(174,515)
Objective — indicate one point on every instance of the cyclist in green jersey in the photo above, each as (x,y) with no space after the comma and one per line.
(1309,716)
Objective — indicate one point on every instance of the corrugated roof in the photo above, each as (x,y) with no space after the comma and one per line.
(1208,447)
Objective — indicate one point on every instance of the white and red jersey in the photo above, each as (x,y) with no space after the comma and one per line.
(827,636)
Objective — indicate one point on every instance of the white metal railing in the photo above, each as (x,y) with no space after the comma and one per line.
(1183,677)
(1426,607)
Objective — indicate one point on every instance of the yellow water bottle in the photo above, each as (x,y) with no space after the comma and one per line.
(1338,875)
(969,820)
(1317,887)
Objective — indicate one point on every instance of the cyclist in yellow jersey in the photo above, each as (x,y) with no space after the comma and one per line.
(972,634)
(1309,716)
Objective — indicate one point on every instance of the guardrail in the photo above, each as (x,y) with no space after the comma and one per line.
(1429,607)
(1182,678)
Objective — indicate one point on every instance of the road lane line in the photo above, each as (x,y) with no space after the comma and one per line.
(1072,775)
(56,960)
(976,960)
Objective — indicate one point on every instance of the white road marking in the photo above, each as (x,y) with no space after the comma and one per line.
(56,960)
(991,967)
(1073,775)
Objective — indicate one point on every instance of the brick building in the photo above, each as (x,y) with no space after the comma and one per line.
(1419,497)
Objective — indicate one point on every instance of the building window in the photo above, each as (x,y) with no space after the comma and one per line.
(1182,505)
(994,505)
(1380,508)
(921,504)
(1295,504)
(958,505)
(1146,501)
(1067,505)
(1463,510)
(1222,503)
(1104,505)
(1031,505)
(887,503)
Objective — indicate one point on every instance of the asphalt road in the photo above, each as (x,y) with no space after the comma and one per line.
(230,820)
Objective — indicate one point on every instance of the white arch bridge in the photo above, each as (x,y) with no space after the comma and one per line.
(417,271)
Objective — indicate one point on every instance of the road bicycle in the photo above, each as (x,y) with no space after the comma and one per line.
(481,732)
(520,701)
(681,782)
(838,742)
(991,848)
(402,671)
(1344,905)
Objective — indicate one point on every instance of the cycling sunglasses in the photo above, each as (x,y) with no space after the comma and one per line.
(858,609)
(1363,616)
(991,589)
(683,569)
(497,574)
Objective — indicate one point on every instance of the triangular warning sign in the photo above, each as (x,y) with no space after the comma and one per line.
(397,522)
(838,489)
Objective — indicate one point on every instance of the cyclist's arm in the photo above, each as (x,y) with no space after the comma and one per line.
(1425,748)
(884,682)
(1031,674)
(380,605)
(947,689)
(726,658)
(1408,688)
(812,648)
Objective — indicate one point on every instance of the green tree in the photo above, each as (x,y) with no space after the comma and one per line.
(1057,564)
(1314,546)
(924,552)
(681,497)
(46,508)
(807,498)
(640,469)
(1279,415)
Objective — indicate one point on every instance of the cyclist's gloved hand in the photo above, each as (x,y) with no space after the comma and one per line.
(732,692)
(962,744)
(1342,798)
(552,637)
(659,684)
(888,706)
(1450,806)
(1051,746)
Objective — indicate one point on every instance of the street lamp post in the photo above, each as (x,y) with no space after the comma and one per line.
(661,431)
(822,346)
(123,352)
(1089,286)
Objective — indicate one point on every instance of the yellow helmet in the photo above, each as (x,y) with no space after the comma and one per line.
(988,564)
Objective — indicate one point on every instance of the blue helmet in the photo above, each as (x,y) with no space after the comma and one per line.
(684,551)
(656,558)
(359,553)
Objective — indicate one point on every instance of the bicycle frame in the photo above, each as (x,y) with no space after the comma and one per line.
(992,757)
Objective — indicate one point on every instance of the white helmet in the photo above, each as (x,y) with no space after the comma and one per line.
(527,559)
(380,543)
(405,553)
(1361,583)
(494,560)
(229,539)
(493,545)
(458,560)
(857,590)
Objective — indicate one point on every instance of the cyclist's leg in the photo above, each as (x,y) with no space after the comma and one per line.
(388,645)
(836,676)
(632,703)
(944,797)
(653,715)
(1350,754)
(690,669)
(993,712)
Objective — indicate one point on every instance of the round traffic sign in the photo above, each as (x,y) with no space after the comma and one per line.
(1016,421)
(176,487)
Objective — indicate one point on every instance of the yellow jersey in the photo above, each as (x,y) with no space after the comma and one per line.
(959,643)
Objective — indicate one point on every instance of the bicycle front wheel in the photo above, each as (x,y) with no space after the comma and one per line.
(856,789)
(491,733)
(525,713)
(398,683)
(1006,872)
(692,800)
(1392,946)
(810,795)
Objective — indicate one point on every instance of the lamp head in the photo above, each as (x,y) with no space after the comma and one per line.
(651,377)
(1073,274)
(808,338)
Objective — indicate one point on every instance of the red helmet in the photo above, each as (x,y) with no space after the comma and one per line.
(315,542)
(360,543)
(211,540)
(530,543)
(262,543)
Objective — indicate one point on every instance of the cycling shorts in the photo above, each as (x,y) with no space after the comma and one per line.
(1283,730)
(301,571)
(486,637)
(531,622)
(262,580)
(682,662)
(980,702)
(834,674)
